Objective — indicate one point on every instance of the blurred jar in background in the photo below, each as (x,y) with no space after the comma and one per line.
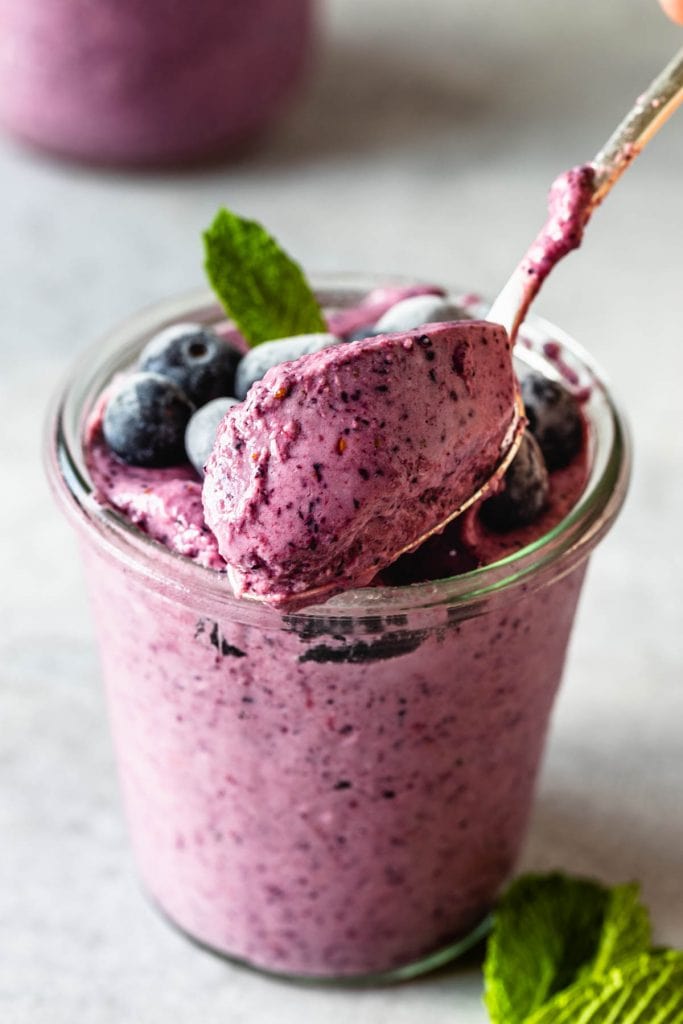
(148,81)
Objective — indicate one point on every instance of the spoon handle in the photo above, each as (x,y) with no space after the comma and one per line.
(650,111)
(577,193)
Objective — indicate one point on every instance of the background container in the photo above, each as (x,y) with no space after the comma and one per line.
(125,81)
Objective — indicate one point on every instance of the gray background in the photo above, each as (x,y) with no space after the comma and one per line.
(425,144)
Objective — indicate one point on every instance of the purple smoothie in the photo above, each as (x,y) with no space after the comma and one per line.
(133,82)
(339,791)
(327,796)
(339,460)
(570,204)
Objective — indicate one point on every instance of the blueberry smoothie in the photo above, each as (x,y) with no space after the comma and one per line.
(121,81)
(340,790)
(357,436)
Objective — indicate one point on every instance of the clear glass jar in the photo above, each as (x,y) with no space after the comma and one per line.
(337,793)
(148,81)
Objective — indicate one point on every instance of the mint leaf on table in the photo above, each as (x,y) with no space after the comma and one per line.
(625,931)
(546,928)
(550,930)
(259,286)
(647,989)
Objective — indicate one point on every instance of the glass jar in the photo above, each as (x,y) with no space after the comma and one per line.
(339,792)
(147,81)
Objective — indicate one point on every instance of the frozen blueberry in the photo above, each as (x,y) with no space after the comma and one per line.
(145,420)
(367,331)
(194,356)
(524,491)
(258,360)
(410,313)
(554,419)
(200,432)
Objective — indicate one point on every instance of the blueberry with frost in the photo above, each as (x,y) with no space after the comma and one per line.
(258,360)
(195,357)
(524,492)
(554,419)
(200,432)
(367,331)
(408,314)
(145,419)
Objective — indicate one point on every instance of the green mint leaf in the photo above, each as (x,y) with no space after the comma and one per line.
(648,989)
(259,286)
(546,928)
(625,931)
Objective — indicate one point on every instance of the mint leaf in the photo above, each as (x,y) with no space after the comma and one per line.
(625,930)
(546,928)
(259,286)
(548,931)
(647,989)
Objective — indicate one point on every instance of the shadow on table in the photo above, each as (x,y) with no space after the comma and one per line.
(360,100)
(372,96)
(597,837)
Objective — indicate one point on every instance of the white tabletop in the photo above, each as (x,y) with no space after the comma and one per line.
(424,145)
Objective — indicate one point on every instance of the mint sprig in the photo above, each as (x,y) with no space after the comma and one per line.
(546,928)
(625,931)
(259,286)
(572,951)
(647,989)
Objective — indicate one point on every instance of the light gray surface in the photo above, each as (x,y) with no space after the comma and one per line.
(425,145)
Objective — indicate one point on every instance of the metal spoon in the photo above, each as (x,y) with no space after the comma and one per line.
(571,206)
(650,111)
(573,198)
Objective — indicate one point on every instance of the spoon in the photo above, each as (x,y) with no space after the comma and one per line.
(578,192)
(573,198)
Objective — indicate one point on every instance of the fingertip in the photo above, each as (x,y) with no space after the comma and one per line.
(674,9)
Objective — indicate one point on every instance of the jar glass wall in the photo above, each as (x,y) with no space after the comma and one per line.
(338,792)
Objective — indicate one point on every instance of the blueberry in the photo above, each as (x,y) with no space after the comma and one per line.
(145,420)
(258,360)
(554,419)
(192,355)
(200,432)
(367,331)
(410,313)
(524,491)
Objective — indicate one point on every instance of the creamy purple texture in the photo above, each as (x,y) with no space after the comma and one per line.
(324,794)
(335,463)
(165,503)
(569,207)
(327,796)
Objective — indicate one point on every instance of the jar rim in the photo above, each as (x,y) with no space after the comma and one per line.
(553,553)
